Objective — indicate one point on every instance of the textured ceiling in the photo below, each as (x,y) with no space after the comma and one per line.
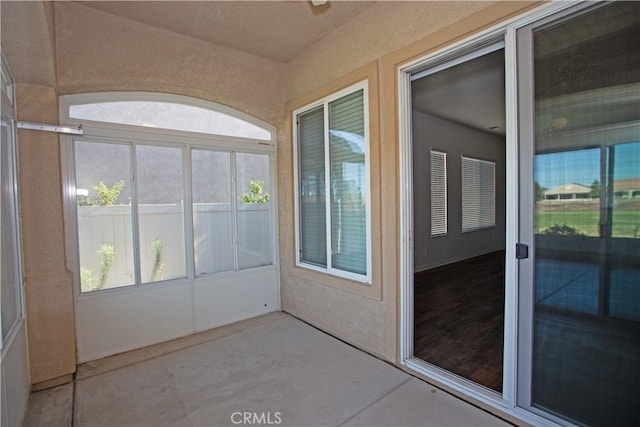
(277,30)
(471,93)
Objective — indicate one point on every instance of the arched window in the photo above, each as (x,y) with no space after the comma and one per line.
(166,187)
(171,112)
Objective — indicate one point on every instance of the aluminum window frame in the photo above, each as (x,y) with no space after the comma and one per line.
(324,103)
(105,132)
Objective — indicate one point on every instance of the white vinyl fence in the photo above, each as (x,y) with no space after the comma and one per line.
(105,234)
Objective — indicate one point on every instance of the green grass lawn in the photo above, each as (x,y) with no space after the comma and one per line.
(625,223)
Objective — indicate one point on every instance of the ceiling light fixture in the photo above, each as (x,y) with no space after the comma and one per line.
(319,2)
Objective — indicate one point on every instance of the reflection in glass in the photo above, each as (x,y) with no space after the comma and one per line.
(313,219)
(586,356)
(348,183)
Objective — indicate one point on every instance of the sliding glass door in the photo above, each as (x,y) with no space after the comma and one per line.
(579,336)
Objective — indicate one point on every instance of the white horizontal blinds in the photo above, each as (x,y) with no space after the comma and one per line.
(348,183)
(438,193)
(478,194)
(312,188)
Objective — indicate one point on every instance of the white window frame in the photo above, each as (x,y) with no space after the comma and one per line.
(8,103)
(139,135)
(324,102)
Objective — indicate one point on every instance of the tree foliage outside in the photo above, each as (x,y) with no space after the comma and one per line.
(105,196)
(156,246)
(88,280)
(595,189)
(540,192)
(255,193)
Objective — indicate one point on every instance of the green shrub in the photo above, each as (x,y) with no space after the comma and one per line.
(156,245)
(108,253)
(562,230)
(105,196)
(255,193)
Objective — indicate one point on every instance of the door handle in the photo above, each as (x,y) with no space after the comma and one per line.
(522,251)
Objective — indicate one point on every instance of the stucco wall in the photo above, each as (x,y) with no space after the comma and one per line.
(48,284)
(97,51)
(387,34)
(27,41)
(382,28)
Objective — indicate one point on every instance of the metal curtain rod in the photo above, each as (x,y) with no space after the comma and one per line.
(51,128)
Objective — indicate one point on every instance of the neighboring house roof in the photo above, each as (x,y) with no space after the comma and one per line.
(569,188)
(626,184)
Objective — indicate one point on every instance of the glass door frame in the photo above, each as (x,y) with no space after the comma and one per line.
(526,141)
(516,315)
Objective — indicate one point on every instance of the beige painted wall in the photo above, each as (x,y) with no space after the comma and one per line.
(389,34)
(97,51)
(48,284)
(27,41)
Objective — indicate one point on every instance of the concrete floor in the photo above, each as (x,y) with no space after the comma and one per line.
(271,370)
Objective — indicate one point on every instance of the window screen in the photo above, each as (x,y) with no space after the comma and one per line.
(348,185)
(333,188)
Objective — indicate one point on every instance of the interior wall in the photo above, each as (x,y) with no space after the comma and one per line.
(386,34)
(456,140)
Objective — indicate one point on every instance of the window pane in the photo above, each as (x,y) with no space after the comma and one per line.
(478,194)
(586,345)
(626,190)
(212,216)
(160,213)
(311,167)
(10,290)
(348,183)
(167,115)
(568,197)
(438,193)
(103,196)
(253,210)
(624,294)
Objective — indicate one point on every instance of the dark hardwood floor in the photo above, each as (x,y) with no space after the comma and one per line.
(459,318)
